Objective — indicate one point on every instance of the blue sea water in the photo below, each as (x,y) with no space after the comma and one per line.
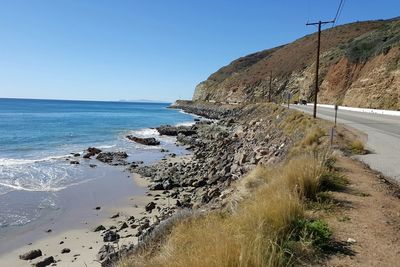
(37,136)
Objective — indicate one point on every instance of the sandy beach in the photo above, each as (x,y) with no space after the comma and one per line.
(83,243)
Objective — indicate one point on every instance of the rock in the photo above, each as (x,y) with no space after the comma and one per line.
(92,165)
(88,155)
(157,186)
(109,157)
(61,242)
(77,155)
(175,130)
(110,236)
(151,141)
(99,228)
(74,162)
(122,226)
(199,183)
(116,215)
(150,206)
(31,255)
(65,250)
(93,150)
(351,240)
(45,262)
(167,185)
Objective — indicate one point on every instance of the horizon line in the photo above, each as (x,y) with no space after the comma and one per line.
(90,100)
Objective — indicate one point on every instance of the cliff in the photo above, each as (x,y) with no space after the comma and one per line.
(359,66)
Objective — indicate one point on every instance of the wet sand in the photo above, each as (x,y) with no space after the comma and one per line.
(75,233)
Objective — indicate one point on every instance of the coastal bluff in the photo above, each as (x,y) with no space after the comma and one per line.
(359,67)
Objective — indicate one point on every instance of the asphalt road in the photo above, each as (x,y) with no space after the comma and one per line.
(383,137)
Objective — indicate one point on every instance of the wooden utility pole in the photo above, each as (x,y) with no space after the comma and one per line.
(270,87)
(319,23)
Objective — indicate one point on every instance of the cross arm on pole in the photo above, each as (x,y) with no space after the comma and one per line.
(320,22)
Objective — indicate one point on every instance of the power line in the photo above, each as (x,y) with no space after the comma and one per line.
(338,12)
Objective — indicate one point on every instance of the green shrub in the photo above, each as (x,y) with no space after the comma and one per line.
(315,232)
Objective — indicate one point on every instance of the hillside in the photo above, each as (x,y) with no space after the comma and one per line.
(360,66)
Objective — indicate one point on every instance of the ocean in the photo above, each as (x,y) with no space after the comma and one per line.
(37,136)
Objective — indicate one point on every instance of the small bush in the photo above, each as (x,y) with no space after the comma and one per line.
(330,163)
(357,147)
(302,175)
(256,177)
(316,232)
(313,137)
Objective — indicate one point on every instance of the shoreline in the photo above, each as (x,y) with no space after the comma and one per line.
(174,184)
(84,243)
(52,234)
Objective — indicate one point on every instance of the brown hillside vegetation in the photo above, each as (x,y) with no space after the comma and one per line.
(357,59)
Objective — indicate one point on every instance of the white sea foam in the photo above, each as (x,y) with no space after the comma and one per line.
(145,132)
(187,113)
(38,187)
(106,146)
(39,176)
(189,123)
(11,162)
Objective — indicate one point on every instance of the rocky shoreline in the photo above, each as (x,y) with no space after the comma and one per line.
(222,150)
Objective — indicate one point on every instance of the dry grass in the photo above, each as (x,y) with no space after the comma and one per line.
(260,175)
(357,147)
(313,136)
(256,233)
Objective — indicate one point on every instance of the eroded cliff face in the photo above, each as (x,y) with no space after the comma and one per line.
(359,66)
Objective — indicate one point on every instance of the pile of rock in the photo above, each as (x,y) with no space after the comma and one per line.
(113,158)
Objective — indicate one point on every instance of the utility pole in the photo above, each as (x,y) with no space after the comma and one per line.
(319,23)
(270,87)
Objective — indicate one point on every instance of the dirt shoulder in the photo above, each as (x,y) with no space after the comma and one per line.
(368,213)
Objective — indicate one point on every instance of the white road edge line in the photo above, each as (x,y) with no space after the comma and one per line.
(365,110)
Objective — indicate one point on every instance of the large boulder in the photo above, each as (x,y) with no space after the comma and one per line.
(151,141)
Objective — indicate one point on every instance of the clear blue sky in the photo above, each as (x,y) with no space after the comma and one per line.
(148,49)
